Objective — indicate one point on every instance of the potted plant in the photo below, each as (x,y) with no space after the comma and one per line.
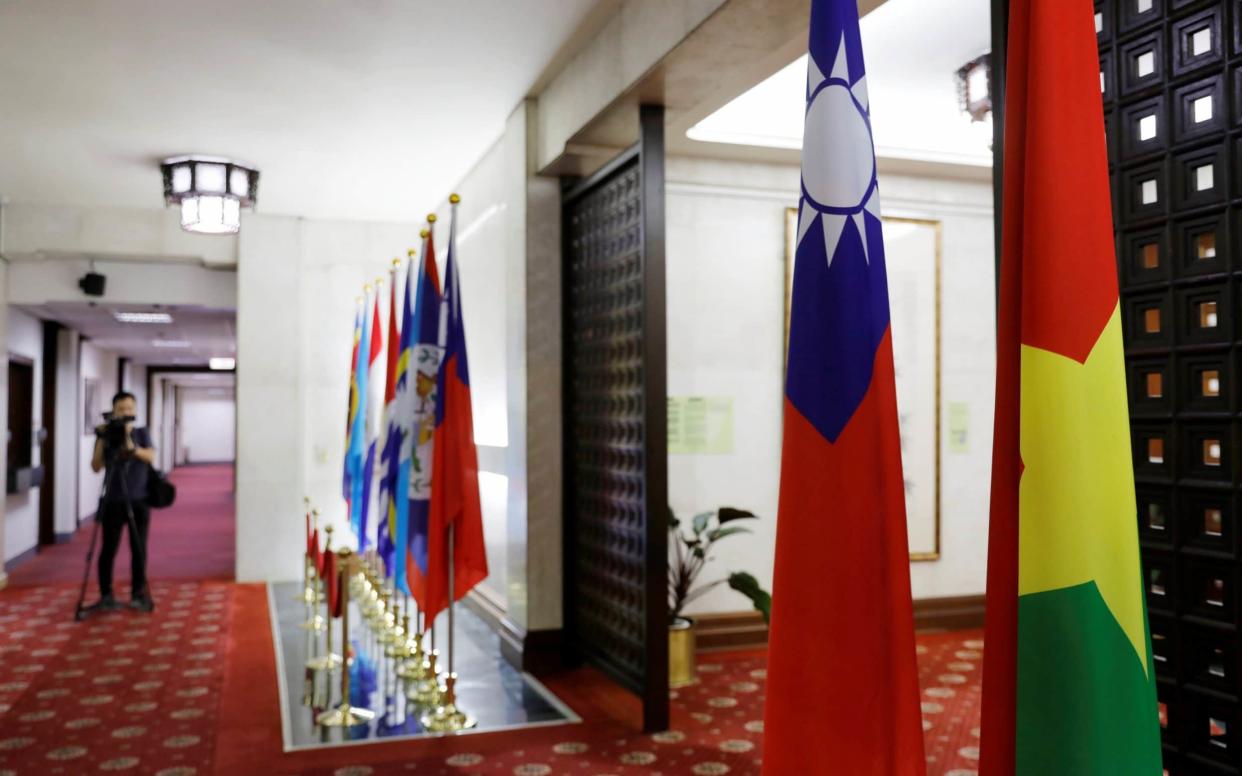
(691,550)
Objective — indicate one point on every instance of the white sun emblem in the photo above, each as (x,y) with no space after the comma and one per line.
(838,158)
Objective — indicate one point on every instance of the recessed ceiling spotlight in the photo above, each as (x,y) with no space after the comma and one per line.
(211,191)
(222,364)
(134,317)
(166,343)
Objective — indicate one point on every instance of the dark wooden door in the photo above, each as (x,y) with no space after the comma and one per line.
(615,421)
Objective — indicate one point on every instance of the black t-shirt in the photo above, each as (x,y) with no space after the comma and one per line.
(135,471)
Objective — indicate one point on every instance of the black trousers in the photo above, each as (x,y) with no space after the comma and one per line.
(116,518)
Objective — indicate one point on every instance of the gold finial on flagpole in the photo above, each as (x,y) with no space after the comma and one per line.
(357,300)
(379,283)
(411,253)
(431,218)
(454,198)
(366,287)
(396,262)
(423,234)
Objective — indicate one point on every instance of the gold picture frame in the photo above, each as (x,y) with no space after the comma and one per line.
(931,233)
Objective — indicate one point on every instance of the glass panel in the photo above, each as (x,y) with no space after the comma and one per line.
(1212,522)
(1155,517)
(1211,383)
(181,179)
(1099,23)
(1203,109)
(1217,731)
(1215,592)
(1150,254)
(209,178)
(1211,452)
(1205,245)
(1145,64)
(1216,666)
(239,182)
(1155,385)
(1149,192)
(1157,582)
(1207,315)
(1142,6)
(1151,320)
(1155,450)
(1201,41)
(1204,177)
(1147,127)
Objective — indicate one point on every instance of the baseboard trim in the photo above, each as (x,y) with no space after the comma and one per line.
(531,651)
(21,557)
(747,630)
(61,538)
(963,612)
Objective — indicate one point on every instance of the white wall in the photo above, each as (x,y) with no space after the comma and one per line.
(726,308)
(69,430)
(99,365)
(208,423)
(21,518)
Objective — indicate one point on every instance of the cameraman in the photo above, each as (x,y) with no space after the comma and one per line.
(126,453)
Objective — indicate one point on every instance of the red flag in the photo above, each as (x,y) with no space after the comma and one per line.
(843,694)
(454,467)
(331,583)
(315,553)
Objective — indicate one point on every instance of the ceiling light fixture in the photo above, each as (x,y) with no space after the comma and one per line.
(132,317)
(165,343)
(222,364)
(974,88)
(211,191)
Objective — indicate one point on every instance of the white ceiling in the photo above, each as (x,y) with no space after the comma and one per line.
(912,49)
(368,110)
(207,333)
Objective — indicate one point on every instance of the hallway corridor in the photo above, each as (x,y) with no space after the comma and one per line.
(192,539)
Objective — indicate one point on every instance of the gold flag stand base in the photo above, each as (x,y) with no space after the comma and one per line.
(328,662)
(345,715)
(315,623)
(447,718)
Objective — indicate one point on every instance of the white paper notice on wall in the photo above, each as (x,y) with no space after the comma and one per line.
(959,427)
(700,424)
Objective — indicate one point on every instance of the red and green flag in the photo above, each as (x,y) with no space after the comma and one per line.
(1069,685)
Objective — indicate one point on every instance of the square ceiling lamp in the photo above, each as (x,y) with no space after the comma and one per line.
(210,190)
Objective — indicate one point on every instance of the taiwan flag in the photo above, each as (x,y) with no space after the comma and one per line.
(843,693)
(1069,686)
(454,468)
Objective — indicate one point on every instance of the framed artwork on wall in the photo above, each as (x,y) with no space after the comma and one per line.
(912,248)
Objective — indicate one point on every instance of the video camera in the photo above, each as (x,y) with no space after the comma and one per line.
(112,431)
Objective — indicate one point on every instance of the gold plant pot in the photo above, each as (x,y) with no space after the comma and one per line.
(680,653)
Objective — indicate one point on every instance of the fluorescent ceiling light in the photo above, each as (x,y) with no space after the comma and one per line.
(164,343)
(130,317)
(222,363)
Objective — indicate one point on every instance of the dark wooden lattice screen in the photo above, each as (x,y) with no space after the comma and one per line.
(1171,73)
(615,422)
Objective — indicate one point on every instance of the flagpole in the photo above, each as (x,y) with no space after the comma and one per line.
(448,717)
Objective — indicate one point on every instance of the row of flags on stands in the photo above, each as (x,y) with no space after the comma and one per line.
(1068,680)
(411,471)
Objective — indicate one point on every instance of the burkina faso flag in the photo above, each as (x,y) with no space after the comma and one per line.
(1069,685)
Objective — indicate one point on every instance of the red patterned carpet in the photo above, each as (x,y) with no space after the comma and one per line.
(193,539)
(191,690)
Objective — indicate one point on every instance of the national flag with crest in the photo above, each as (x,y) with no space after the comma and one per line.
(356,452)
(1069,686)
(455,518)
(351,409)
(843,694)
(390,452)
(374,409)
(425,353)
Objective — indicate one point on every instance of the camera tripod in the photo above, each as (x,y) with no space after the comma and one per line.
(81,612)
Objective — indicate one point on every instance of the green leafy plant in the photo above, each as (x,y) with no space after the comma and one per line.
(691,550)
